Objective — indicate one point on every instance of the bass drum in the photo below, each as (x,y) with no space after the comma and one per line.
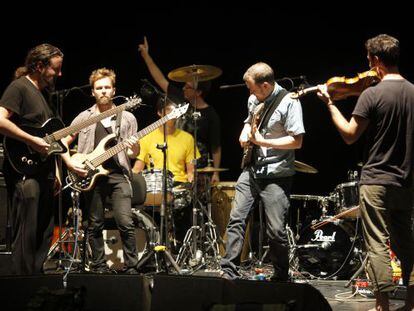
(327,252)
(146,234)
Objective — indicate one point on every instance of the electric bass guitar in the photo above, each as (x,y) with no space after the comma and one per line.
(92,162)
(27,161)
(248,148)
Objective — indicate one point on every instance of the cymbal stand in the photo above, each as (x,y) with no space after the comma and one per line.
(193,247)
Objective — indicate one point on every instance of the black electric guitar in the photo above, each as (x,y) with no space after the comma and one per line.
(93,161)
(26,161)
(248,148)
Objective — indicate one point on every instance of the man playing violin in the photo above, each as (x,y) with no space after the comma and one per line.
(386,113)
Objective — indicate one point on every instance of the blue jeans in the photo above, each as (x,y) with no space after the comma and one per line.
(274,194)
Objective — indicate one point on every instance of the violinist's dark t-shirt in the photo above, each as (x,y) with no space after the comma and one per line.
(388,153)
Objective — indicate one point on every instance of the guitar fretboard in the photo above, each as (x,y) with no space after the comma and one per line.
(77,127)
(109,153)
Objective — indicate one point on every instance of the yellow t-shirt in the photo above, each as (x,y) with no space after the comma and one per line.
(180,151)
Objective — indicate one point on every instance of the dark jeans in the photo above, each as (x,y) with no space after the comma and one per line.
(32,218)
(120,194)
(274,194)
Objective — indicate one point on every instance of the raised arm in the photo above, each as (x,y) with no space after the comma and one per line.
(155,72)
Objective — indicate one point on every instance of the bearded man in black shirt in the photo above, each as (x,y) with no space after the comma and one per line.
(386,113)
(23,103)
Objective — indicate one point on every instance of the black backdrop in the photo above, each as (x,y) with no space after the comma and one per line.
(307,41)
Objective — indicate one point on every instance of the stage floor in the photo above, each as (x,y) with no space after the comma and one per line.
(340,299)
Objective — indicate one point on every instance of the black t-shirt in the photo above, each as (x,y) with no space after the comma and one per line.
(112,164)
(27,102)
(29,108)
(208,125)
(388,154)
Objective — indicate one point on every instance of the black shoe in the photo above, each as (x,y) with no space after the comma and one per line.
(227,276)
(103,270)
(275,278)
(131,270)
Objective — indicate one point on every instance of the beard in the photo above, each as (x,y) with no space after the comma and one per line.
(104,100)
(49,83)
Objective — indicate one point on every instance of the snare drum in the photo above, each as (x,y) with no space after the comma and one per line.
(347,197)
(154,181)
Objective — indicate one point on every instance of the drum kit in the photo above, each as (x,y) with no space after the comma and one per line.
(327,244)
(323,235)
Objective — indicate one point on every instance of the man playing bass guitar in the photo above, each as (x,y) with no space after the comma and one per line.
(116,185)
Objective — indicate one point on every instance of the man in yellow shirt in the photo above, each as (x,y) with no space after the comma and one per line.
(180,151)
(180,156)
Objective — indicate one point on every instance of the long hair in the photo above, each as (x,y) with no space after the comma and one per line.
(40,53)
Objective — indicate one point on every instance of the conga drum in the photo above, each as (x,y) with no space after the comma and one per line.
(222,202)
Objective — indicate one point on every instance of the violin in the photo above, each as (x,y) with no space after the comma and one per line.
(340,88)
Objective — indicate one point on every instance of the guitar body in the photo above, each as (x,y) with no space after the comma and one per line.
(25,160)
(86,183)
(247,155)
(248,148)
(93,161)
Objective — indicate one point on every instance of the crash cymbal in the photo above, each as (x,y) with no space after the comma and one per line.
(210,169)
(194,72)
(304,168)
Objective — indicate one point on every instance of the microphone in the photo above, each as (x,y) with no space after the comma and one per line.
(308,246)
(67,91)
(230,86)
(326,244)
(153,88)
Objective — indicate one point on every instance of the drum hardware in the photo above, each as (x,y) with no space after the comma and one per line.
(193,248)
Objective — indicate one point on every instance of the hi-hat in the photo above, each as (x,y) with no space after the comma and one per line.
(304,168)
(210,169)
(194,73)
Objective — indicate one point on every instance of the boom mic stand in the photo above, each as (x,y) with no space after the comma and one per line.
(163,244)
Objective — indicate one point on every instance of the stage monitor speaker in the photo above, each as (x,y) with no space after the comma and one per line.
(207,293)
(29,292)
(112,292)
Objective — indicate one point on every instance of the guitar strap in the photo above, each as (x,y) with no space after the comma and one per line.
(118,126)
(272,107)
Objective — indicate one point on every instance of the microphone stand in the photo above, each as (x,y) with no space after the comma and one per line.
(63,255)
(163,244)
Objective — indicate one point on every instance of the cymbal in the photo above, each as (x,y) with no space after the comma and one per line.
(304,168)
(195,72)
(210,169)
